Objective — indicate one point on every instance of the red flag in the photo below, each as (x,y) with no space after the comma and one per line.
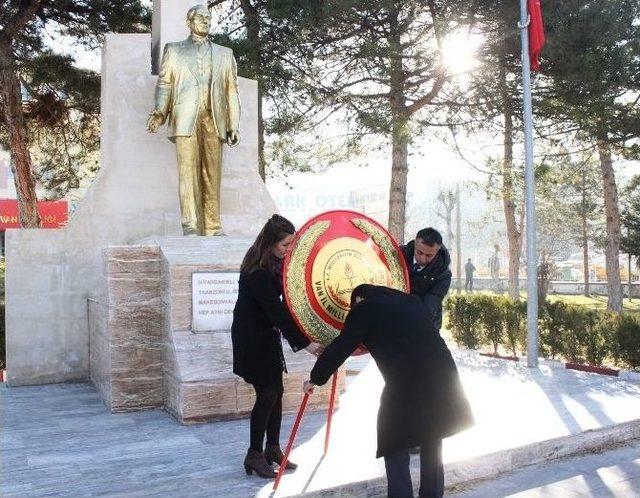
(536,33)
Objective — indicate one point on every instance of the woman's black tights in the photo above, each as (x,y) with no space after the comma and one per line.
(266,415)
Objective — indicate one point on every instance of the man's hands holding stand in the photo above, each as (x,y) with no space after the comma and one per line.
(308,386)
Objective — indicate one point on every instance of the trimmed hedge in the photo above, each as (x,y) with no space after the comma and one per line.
(575,333)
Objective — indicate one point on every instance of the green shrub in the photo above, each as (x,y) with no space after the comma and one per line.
(515,330)
(492,317)
(598,341)
(464,321)
(626,343)
(551,328)
(575,327)
(572,332)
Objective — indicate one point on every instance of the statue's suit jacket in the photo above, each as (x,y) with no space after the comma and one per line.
(178,96)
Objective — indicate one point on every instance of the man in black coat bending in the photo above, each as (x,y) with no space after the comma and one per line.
(422,401)
(428,261)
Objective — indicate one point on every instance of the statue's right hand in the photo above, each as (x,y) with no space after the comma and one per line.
(154,121)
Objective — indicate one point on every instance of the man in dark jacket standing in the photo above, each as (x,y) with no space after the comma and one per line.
(469,270)
(428,261)
(422,401)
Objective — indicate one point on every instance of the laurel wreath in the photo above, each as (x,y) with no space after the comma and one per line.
(314,325)
(391,255)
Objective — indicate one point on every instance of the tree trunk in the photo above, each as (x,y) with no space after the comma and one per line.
(458,240)
(629,274)
(262,170)
(400,137)
(254,54)
(584,235)
(447,200)
(612,212)
(13,117)
(514,235)
(450,234)
(451,238)
(399,171)
(585,256)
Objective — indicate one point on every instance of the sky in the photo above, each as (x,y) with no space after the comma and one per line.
(345,186)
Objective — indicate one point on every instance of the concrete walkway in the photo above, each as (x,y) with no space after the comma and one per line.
(60,440)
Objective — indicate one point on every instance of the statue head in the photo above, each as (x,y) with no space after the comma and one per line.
(199,20)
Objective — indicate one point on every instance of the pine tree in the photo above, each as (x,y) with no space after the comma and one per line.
(60,113)
(593,60)
(630,242)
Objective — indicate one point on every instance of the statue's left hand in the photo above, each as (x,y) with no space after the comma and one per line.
(233,137)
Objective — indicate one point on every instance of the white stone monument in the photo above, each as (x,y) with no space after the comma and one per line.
(109,296)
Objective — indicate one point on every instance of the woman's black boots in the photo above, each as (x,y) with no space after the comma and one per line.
(273,453)
(255,461)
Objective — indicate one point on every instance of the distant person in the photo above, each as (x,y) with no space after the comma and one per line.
(494,263)
(494,269)
(260,319)
(422,401)
(469,269)
(428,261)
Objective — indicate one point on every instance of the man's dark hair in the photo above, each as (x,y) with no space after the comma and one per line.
(429,236)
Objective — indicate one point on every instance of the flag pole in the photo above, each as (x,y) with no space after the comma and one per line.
(532,256)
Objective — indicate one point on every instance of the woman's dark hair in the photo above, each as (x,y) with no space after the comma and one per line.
(259,254)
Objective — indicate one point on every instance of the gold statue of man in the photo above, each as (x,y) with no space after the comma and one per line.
(197,92)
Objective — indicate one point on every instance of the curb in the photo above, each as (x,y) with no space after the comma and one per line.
(500,357)
(622,374)
(613,372)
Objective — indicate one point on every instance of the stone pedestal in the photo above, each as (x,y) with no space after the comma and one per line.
(125,329)
(144,352)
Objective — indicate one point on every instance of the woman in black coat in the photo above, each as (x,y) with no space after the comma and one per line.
(422,401)
(260,318)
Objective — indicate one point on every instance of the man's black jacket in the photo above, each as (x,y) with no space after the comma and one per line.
(431,283)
